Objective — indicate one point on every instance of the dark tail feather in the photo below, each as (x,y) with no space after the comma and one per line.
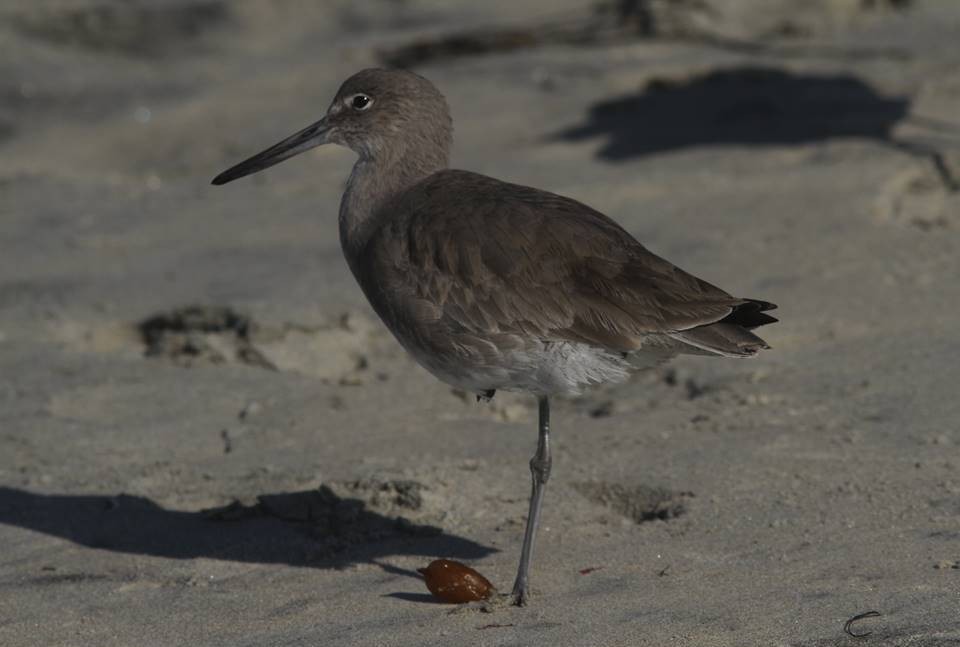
(751,314)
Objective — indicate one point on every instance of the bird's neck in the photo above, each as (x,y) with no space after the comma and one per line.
(372,184)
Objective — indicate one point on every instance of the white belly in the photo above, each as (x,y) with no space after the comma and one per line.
(541,368)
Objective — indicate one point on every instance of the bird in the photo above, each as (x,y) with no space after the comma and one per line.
(497,286)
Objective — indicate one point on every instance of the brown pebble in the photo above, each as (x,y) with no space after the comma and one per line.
(456,583)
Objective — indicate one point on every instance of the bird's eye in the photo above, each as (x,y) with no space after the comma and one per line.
(361,102)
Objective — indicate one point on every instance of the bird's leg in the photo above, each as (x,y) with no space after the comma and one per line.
(540,470)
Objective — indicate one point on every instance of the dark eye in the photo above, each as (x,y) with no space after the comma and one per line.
(361,102)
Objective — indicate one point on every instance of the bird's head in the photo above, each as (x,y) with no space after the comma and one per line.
(383,115)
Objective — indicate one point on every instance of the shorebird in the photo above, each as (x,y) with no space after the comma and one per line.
(490,285)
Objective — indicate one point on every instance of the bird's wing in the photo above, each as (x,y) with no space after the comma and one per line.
(511,259)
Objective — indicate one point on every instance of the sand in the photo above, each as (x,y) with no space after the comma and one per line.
(206,438)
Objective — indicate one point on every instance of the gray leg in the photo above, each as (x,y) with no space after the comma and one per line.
(540,469)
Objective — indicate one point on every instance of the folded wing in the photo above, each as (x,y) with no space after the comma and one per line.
(516,260)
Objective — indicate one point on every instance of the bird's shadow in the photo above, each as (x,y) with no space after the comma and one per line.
(314,528)
(750,105)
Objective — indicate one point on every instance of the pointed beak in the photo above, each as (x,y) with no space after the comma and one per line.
(310,137)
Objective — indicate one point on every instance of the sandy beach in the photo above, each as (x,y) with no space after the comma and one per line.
(208,438)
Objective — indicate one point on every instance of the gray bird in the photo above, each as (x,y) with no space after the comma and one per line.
(491,285)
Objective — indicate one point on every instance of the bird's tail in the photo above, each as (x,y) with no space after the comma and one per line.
(731,336)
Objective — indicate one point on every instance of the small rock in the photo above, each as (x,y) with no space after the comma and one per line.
(250,409)
(603,410)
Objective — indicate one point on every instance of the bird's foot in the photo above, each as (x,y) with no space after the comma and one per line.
(520,595)
(519,599)
(504,600)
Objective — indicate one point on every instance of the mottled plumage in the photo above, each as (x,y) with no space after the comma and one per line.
(491,285)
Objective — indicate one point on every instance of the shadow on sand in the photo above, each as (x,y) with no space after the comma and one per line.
(751,106)
(313,528)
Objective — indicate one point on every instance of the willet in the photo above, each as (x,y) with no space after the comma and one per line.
(492,285)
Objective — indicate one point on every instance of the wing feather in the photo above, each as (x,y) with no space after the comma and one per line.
(516,260)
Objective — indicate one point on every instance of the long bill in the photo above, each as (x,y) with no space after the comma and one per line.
(310,137)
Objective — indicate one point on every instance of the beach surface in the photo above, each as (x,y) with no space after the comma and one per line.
(208,438)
